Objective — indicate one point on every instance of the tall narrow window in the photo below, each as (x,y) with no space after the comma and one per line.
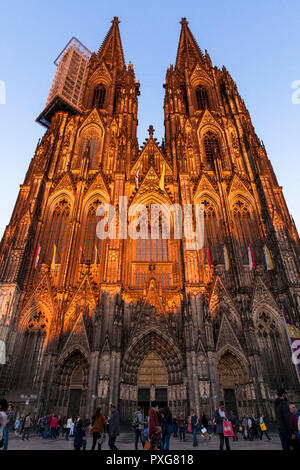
(99,97)
(244,228)
(184,98)
(91,246)
(212,234)
(212,149)
(202,98)
(58,231)
(153,249)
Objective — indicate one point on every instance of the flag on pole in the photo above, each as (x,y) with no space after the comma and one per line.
(226,258)
(137,172)
(162,178)
(37,255)
(96,255)
(269,261)
(209,258)
(294,338)
(53,257)
(251,258)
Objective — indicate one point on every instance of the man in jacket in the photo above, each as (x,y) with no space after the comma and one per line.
(114,427)
(220,416)
(284,420)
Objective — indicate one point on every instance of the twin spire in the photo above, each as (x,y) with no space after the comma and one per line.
(111,50)
(188,53)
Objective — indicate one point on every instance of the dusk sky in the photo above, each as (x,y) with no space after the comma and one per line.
(257,41)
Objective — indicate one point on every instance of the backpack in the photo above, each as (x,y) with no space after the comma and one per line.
(135,422)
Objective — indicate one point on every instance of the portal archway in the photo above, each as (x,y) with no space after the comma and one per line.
(152,368)
(234,382)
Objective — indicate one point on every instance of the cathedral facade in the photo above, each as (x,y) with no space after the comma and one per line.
(88,321)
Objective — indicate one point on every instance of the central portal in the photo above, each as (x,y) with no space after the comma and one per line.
(152,383)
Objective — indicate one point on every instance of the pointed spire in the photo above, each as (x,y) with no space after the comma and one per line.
(188,53)
(111,50)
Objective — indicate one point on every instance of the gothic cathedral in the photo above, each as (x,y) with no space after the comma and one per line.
(88,321)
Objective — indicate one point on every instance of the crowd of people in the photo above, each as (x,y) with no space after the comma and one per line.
(155,431)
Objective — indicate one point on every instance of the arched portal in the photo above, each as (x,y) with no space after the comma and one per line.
(234,383)
(152,368)
(152,382)
(70,387)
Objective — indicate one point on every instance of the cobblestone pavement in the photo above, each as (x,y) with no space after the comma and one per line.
(126,442)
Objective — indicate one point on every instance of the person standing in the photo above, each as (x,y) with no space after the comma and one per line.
(175,426)
(27,426)
(232,418)
(9,426)
(53,426)
(181,426)
(98,427)
(284,420)
(263,427)
(167,427)
(17,426)
(3,417)
(114,427)
(194,424)
(220,416)
(138,424)
(69,426)
(295,442)
(154,428)
(79,434)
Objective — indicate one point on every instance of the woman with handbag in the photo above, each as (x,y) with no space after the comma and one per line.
(98,428)
(221,417)
(263,427)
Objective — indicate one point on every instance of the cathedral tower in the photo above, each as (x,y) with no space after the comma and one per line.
(90,321)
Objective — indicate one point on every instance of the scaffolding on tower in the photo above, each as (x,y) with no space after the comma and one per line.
(68,85)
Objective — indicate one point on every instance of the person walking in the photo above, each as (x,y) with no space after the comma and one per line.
(284,420)
(68,428)
(220,416)
(181,426)
(17,426)
(154,427)
(295,442)
(114,427)
(175,426)
(194,424)
(9,426)
(27,426)
(235,428)
(167,427)
(3,419)
(263,427)
(53,427)
(98,427)
(138,424)
(79,435)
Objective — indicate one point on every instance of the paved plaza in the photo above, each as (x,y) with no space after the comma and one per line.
(126,442)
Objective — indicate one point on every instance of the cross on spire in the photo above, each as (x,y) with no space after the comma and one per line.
(151,130)
(183,21)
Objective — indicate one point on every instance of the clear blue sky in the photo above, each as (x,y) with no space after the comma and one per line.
(257,40)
